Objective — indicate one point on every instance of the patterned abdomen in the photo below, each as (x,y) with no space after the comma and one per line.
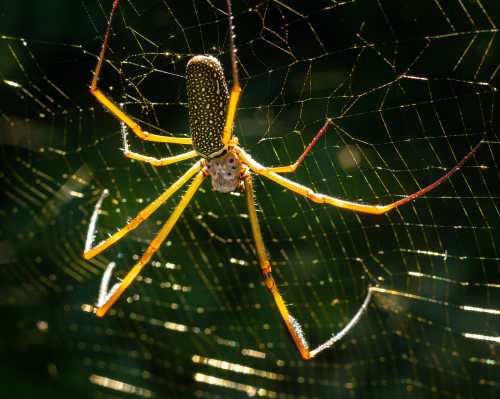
(207,99)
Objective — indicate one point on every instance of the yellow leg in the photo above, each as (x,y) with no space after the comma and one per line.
(325,199)
(236,89)
(152,160)
(296,164)
(231,112)
(160,161)
(293,326)
(122,116)
(113,108)
(143,215)
(153,246)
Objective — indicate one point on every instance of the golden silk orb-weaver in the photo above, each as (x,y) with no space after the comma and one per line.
(212,111)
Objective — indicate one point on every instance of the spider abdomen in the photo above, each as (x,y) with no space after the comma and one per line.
(207,101)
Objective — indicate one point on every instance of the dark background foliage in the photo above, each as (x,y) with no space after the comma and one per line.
(411,87)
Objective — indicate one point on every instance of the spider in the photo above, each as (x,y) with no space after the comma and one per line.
(212,110)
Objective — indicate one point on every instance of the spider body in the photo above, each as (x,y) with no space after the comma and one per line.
(225,171)
(207,102)
(211,118)
(207,105)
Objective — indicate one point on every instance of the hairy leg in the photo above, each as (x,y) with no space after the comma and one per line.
(90,252)
(354,206)
(155,244)
(293,326)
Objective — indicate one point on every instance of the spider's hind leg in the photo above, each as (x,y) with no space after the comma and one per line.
(115,109)
(151,160)
(292,167)
(236,88)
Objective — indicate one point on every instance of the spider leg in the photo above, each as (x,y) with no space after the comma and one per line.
(152,160)
(160,161)
(154,245)
(292,167)
(104,291)
(337,202)
(294,328)
(141,216)
(235,89)
(115,109)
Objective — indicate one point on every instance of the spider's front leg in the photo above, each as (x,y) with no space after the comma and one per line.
(155,244)
(90,251)
(293,326)
(340,203)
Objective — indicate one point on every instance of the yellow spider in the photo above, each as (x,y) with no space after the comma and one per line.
(211,118)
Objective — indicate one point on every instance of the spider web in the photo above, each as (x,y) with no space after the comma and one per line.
(410,88)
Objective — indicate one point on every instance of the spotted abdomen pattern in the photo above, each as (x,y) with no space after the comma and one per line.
(207,100)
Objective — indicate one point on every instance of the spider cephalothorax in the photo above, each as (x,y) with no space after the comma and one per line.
(225,171)
(211,119)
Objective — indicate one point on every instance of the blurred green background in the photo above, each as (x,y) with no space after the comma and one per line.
(410,86)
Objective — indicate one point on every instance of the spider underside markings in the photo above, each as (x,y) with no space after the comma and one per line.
(212,112)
